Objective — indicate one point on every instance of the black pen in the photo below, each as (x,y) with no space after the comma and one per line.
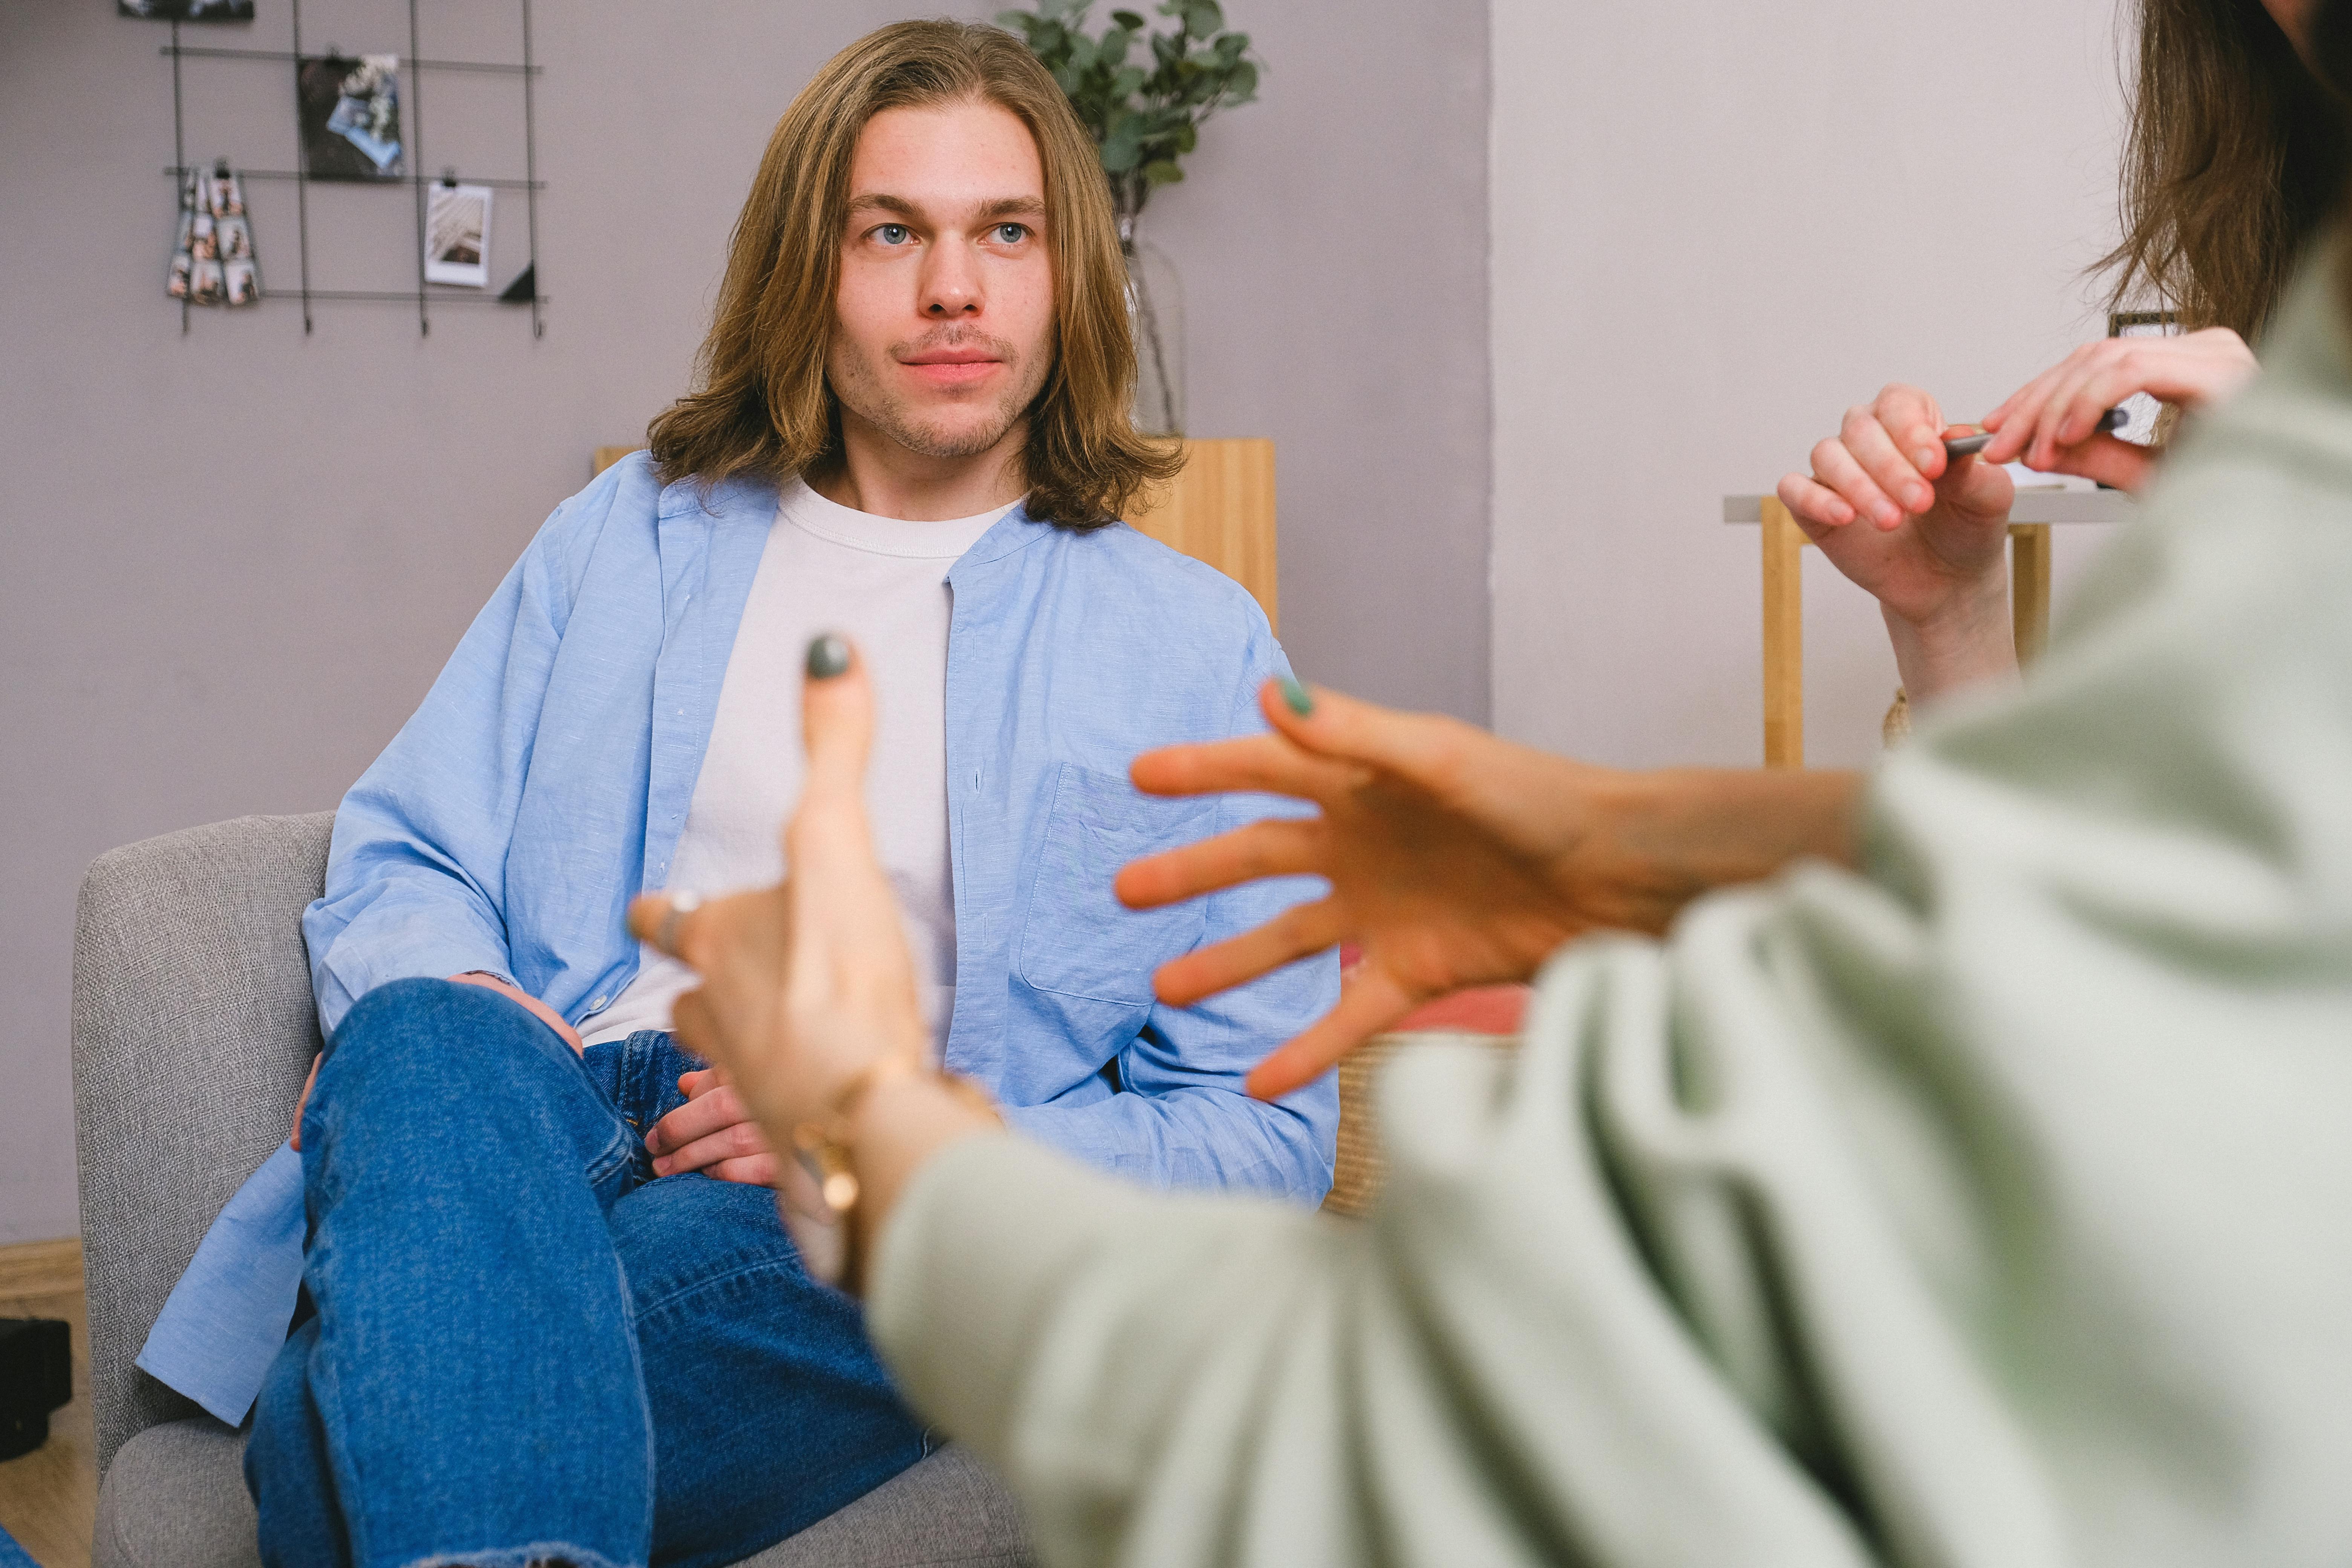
(1961,446)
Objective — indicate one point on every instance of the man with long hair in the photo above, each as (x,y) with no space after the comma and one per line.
(538,1329)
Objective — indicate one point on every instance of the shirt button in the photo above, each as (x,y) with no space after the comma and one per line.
(600,1001)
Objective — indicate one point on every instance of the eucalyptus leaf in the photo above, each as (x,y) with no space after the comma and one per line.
(1144,119)
(1123,146)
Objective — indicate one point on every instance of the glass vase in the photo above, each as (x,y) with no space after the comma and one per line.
(1155,316)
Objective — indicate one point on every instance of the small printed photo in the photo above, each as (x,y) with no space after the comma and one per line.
(202,244)
(176,286)
(234,239)
(209,286)
(187,231)
(457,235)
(350,117)
(226,196)
(186,10)
(194,191)
(244,283)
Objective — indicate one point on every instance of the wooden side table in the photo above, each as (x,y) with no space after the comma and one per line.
(2030,522)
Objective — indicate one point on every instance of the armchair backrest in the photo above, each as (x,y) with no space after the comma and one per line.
(193,1030)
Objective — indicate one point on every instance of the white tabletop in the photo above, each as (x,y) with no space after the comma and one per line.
(2033,505)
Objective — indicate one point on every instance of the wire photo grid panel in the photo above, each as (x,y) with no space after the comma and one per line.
(417,175)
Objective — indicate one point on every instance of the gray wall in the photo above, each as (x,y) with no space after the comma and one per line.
(230,563)
(1714,228)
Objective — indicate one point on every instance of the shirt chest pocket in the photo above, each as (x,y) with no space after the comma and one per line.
(1077,939)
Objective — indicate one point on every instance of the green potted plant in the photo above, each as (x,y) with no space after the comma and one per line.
(1145,115)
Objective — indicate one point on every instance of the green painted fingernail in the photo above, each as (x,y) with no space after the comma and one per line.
(828,656)
(1301,700)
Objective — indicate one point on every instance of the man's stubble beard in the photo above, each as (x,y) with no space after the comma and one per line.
(862,393)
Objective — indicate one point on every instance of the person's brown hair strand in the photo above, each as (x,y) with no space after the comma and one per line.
(2233,158)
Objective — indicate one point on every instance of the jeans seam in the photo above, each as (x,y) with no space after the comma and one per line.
(709,1281)
(620,1152)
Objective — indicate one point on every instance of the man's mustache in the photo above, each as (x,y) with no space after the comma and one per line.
(955,337)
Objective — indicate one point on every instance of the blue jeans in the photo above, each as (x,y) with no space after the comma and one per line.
(524,1348)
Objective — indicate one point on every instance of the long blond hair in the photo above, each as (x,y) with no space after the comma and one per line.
(762,406)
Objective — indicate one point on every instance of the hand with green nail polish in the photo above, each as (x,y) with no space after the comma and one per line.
(1454,858)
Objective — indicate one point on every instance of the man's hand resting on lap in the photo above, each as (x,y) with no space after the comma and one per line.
(712,1132)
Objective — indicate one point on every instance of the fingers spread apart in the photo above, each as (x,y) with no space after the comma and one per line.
(1429,750)
(1370,1003)
(1275,847)
(1268,764)
(1290,935)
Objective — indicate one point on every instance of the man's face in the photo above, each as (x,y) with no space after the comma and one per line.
(943,330)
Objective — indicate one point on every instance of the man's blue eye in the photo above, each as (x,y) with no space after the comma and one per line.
(892,234)
(1011,233)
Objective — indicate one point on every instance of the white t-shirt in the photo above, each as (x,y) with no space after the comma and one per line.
(882,581)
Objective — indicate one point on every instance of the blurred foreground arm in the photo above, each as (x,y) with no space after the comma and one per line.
(807,1002)
(1986,1211)
(1456,858)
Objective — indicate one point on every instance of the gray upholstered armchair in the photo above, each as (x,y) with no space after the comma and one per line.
(192,1031)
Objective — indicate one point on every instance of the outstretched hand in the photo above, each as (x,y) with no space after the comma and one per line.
(1455,859)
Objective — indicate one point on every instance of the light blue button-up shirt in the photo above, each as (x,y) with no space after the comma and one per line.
(544,782)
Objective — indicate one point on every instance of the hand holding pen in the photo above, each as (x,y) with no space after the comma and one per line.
(2053,423)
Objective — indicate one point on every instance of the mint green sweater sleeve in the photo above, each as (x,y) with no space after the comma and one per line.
(1992,1207)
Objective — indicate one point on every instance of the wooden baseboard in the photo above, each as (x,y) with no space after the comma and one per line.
(40,1267)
